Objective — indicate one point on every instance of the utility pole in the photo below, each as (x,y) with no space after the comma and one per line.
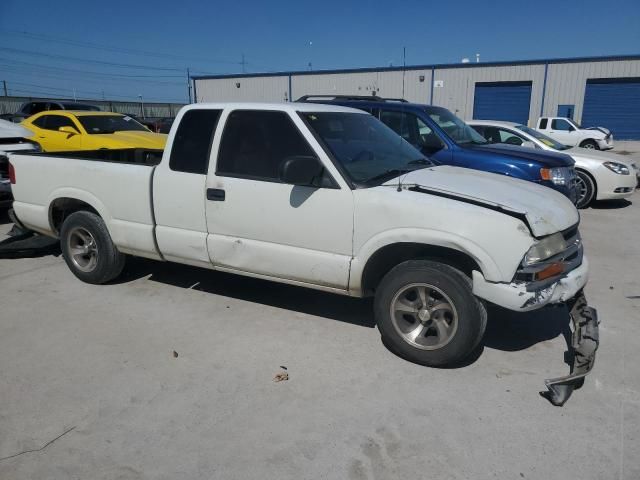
(189,84)
(74,94)
(4,83)
(141,106)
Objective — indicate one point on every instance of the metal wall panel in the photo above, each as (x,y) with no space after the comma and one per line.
(384,84)
(566,82)
(454,88)
(258,89)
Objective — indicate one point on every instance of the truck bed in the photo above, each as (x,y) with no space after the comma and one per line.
(117,183)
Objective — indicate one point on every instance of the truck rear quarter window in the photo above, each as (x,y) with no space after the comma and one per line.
(543,124)
(256,142)
(192,143)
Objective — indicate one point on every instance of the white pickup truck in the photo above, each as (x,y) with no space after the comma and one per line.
(324,197)
(568,132)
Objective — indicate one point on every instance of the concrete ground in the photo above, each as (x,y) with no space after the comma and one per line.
(90,387)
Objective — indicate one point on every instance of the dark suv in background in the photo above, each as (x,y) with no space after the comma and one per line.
(31,108)
(447,140)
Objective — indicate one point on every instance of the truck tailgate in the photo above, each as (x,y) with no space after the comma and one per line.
(119,192)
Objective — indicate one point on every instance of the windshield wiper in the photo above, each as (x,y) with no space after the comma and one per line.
(420,161)
(388,174)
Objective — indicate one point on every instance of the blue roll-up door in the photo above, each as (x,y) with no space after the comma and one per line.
(613,103)
(507,101)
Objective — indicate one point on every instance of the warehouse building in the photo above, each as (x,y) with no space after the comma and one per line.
(594,91)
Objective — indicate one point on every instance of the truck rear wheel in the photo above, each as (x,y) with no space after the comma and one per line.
(427,313)
(88,250)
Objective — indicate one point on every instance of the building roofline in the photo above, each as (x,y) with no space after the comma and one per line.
(436,66)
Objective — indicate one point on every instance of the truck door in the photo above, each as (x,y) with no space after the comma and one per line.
(179,189)
(563,131)
(260,226)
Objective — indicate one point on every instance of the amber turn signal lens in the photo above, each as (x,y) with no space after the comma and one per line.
(550,271)
(545,173)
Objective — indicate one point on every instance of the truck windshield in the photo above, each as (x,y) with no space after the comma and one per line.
(98,124)
(369,151)
(456,129)
(548,141)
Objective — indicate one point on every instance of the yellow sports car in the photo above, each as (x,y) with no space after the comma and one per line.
(68,130)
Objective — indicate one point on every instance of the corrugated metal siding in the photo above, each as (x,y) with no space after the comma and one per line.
(458,86)
(505,101)
(613,104)
(259,89)
(566,82)
(384,84)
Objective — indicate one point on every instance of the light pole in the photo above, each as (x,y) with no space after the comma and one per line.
(141,106)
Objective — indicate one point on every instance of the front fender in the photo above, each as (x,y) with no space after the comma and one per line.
(490,269)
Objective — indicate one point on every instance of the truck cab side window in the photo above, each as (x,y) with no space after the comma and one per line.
(192,143)
(543,124)
(255,143)
(562,125)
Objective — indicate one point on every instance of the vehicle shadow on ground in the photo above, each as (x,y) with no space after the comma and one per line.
(610,204)
(506,330)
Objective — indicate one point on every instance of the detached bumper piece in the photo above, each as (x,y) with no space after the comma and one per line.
(584,343)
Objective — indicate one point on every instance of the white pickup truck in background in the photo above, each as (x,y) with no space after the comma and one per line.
(324,197)
(568,132)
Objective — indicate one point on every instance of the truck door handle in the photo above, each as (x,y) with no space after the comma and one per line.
(215,194)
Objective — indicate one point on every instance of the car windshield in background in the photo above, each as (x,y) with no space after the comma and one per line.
(548,141)
(369,151)
(97,124)
(458,131)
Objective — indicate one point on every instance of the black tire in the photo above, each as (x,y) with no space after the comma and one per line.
(102,261)
(586,189)
(590,144)
(454,288)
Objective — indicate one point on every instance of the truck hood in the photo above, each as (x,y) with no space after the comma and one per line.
(543,209)
(524,154)
(137,139)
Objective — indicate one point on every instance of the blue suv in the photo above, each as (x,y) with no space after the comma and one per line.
(447,140)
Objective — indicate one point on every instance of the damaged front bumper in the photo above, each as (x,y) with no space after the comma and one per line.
(517,296)
(585,339)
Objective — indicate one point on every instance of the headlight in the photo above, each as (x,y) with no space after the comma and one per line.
(616,167)
(545,248)
(559,176)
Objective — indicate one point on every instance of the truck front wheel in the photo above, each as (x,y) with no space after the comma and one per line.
(427,313)
(88,250)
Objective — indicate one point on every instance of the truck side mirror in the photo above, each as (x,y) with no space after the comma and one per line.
(70,130)
(301,170)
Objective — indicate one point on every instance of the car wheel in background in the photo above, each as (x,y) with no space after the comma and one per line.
(427,313)
(586,189)
(590,144)
(88,250)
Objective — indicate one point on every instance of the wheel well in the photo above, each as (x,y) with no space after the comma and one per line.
(382,261)
(61,208)
(588,140)
(595,184)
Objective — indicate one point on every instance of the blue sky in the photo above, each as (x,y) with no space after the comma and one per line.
(51,46)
